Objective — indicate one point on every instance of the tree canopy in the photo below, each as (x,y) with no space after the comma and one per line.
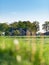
(14,28)
(46,26)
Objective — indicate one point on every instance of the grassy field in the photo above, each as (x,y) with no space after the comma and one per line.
(24,50)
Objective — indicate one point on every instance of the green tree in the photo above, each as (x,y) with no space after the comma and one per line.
(27,25)
(20,24)
(14,25)
(3,27)
(46,26)
(16,32)
(0,33)
(35,26)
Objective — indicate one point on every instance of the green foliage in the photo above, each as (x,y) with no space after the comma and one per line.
(14,25)
(20,24)
(0,33)
(46,26)
(16,32)
(3,27)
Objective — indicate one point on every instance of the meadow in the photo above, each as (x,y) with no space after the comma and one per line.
(24,50)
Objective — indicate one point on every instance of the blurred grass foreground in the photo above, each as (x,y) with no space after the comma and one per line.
(25,50)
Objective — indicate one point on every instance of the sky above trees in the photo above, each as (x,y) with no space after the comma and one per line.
(14,10)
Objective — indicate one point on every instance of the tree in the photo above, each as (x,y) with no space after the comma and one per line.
(3,27)
(28,25)
(46,26)
(16,32)
(35,26)
(20,24)
(14,25)
(0,33)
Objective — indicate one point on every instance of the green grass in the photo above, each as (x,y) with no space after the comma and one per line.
(8,52)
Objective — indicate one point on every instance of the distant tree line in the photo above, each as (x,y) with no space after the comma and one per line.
(22,28)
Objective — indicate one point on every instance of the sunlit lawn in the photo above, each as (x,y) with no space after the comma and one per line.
(19,51)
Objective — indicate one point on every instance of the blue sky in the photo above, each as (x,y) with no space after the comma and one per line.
(15,10)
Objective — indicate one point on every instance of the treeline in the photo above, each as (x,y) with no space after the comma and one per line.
(21,27)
